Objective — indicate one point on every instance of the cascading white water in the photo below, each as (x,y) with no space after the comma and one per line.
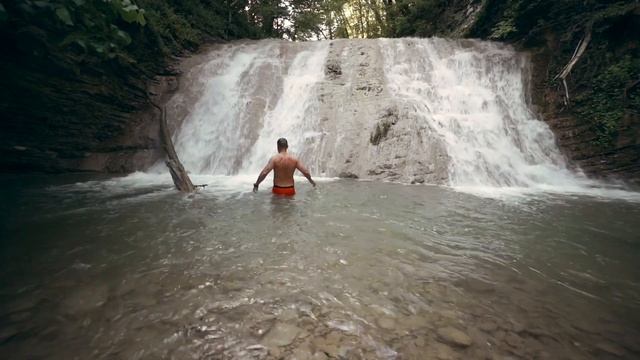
(473,95)
(296,111)
(410,110)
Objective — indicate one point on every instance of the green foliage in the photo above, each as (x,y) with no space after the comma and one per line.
(93,27)
(605,104)
(506,27)
(74,69)
(415,17)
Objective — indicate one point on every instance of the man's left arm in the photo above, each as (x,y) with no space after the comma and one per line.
(303,169)
(263,174)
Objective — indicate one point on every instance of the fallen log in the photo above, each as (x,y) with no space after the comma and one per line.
(179,175)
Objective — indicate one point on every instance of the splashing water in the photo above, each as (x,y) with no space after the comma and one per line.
(450,112)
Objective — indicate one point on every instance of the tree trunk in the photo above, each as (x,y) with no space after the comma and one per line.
(179,175)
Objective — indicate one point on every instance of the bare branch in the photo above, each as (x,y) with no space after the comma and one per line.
(577,54)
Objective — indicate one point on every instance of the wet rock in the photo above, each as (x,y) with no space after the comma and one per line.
(330,345)
(319,356)
(347,175)
(301,353)
(610,348)
(449,314)
(281,335)
(476,285)
(513,340)
(333,70)
(444,352)
(453,336)
(488,326)
(262,327)
(517,327)
(275,352)
(386,323)
(288,315)
(417,180)
(389,118)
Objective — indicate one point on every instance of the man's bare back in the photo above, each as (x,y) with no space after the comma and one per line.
(283,165)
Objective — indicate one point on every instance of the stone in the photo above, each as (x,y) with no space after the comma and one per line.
(332,69)
(476,285)
(347,175)
(288,315)
(381,131)
(319,355)
(329,344)
(281,335)
(453,336)
(443,352)
(488,326)
(514,340)
(301,353)
(386,323)
(275,352)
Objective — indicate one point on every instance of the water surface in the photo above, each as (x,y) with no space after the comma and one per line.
(125,268)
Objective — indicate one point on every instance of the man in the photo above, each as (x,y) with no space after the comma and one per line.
(283,166)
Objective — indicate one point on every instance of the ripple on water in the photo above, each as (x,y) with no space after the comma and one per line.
(340,272)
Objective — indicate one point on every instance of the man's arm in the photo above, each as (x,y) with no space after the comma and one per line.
(263,174)
(305,172)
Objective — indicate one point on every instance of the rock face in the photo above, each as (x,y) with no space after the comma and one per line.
(330,99)
(375,131)
(578,138)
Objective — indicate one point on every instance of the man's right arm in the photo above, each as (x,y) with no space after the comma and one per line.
(263,174)
(305,172)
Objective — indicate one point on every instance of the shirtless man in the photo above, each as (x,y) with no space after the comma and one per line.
(283,166)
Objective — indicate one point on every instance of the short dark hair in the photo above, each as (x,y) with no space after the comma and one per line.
(282,143)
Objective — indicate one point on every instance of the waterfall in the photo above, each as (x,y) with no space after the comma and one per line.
(435,111)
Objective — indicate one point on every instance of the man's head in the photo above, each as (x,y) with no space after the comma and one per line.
(283,145)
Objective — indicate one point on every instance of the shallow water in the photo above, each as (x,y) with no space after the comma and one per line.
(125,268)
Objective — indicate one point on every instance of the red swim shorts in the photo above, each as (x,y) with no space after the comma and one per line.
(284,191)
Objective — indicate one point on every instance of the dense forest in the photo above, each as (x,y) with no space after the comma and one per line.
(75,69)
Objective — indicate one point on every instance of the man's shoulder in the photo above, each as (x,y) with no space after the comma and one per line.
(292,158)
(288,157)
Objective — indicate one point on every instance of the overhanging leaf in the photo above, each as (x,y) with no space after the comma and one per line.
(124,37)
(64,16)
